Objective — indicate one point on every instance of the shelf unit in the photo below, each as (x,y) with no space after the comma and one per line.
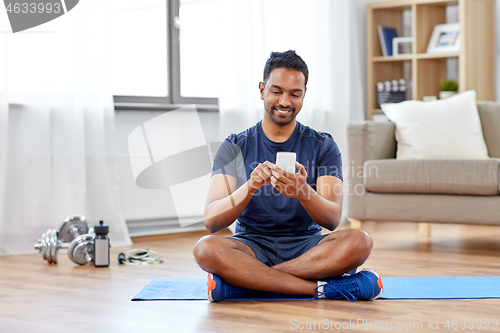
(476,58)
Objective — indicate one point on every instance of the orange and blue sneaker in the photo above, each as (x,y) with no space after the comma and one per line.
(219,290)
(365,285)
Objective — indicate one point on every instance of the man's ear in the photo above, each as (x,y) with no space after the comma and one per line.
(261,88)
(304,95)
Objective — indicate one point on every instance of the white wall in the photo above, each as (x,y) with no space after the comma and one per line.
(145,204)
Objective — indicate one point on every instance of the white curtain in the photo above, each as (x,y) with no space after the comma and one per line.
(56,129)
(327,34)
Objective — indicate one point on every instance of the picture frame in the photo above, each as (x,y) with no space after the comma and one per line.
(402,46)
(445,38)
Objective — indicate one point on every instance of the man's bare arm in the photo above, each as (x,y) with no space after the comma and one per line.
(325,205)
(225,203)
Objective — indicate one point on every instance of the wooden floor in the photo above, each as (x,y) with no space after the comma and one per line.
(38,297)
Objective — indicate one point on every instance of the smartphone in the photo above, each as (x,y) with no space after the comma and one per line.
(286,161)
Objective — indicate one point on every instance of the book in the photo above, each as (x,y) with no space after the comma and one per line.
(386,34)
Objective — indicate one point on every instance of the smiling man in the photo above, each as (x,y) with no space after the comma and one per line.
(278,246)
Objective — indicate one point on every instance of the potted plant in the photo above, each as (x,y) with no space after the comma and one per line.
(448,88)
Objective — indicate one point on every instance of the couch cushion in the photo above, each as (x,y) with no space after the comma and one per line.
(468,177)
(490,122)
(448,128)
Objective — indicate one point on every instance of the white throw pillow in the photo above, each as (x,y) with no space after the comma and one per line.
(448,128)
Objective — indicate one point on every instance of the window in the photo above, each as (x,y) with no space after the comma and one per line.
(162,54)
(199,61)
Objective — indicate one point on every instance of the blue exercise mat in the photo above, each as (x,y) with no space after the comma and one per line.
(196,289)
(394,288)
(441,287)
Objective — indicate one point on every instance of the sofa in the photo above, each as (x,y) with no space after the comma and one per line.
(384,188)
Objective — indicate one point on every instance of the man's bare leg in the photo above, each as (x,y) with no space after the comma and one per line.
(336,254)
(236,264)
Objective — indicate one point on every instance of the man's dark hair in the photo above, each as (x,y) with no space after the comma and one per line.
(287,59)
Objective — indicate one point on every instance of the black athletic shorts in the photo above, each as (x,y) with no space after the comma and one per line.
(273,250)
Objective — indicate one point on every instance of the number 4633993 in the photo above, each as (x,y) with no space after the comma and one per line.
(33,8)
(462,324)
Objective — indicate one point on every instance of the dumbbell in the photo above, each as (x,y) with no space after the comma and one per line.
(74,227)
(81,249)
(49,245)
(75,230)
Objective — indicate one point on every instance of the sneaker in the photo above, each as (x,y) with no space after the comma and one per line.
(219,290)
(365,285)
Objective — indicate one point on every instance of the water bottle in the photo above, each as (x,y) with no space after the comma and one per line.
(101,245)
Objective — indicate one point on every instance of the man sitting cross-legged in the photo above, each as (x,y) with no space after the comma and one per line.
(278,246)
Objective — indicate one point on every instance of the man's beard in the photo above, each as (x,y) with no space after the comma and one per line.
(277,119)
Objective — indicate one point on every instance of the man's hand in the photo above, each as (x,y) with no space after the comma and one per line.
(261,175)
(293,185)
